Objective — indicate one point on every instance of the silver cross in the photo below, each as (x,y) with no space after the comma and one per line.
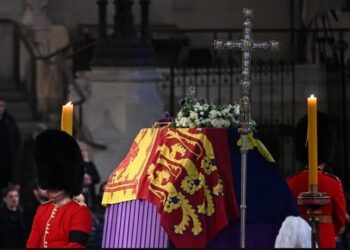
(246,45)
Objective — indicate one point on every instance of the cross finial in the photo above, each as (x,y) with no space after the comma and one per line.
(190,96)
(247,13)
(246,45)
(191,92)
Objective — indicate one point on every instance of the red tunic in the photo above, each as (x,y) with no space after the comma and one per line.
(67,226)
(332,217)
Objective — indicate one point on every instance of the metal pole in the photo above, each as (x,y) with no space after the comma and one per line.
(314,231)
(243,206)
(246,45)
(245,112)
(172,88)
(342,47)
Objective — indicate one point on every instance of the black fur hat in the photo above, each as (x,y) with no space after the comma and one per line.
(325,139)
(59,163)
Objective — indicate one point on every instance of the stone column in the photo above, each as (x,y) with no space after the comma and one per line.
(118,12)
(102,18)
(145,19)
(128,19)
(124,48)
(124,27)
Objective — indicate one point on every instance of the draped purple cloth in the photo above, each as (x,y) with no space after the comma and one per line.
(136,224)
(269,201)
(133,224)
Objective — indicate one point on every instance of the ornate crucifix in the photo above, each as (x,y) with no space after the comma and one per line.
(246,45)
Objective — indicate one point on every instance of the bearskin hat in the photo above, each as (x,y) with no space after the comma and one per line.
(59,163)
(325,139)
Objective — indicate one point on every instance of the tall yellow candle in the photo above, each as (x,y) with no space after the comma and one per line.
(312,139)
(67,118)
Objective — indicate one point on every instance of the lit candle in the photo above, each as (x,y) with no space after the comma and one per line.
(67,118)
(312,139)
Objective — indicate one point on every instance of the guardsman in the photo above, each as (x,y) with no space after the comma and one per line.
(62,222)
(332,216)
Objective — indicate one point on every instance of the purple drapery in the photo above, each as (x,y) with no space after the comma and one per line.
(136,224)
(133,224)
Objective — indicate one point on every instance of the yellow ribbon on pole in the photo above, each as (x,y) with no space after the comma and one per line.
(255,143)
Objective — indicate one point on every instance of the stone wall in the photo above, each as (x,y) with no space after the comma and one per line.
(11,9)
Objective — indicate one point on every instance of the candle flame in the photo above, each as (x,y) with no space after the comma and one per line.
(69,103)
(312,96)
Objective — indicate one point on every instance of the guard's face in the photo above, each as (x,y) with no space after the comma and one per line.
(2,107)
(12,199)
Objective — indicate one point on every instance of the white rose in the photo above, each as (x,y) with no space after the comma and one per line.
(214,123)
(197,105)
(236,109)
(203,121)
(193,115)
(220,123)
(184,122)
(212,113)
(192,125)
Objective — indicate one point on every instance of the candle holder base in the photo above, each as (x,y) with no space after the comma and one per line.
(313,201)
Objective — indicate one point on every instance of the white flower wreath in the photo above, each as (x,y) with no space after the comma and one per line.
(200,114)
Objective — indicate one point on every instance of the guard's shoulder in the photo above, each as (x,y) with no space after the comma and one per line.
(296,174)
(332,176)
(79,202)
(45,205)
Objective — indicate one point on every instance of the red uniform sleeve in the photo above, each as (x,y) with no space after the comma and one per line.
(81,227)
(34,237)
(338,208)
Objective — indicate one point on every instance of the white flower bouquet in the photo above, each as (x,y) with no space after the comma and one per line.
(200,114)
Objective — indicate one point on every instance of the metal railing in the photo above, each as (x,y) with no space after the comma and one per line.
(186,58)
(277,83)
